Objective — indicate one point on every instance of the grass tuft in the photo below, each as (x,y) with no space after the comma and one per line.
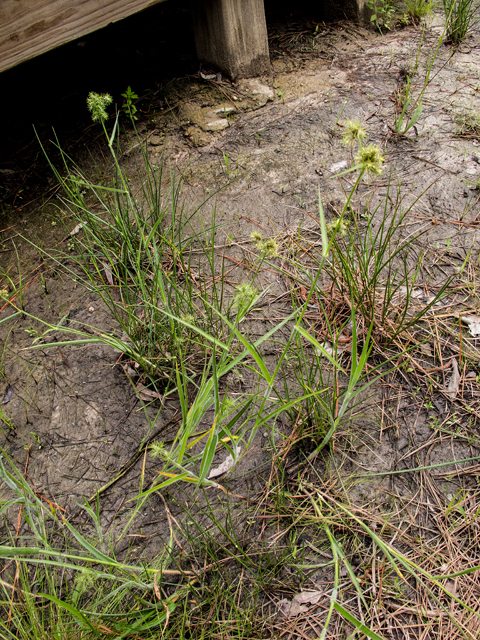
(461,16)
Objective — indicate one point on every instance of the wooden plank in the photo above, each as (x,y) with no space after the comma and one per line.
(31,27)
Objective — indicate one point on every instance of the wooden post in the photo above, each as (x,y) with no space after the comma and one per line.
(355,10)
(231,35)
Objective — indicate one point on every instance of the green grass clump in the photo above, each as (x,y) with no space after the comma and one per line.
(461,17)
(138,248)
(418,9)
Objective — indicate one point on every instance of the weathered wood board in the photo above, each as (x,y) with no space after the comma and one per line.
(31,27)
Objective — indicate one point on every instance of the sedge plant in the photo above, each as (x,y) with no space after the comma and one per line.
(461,17)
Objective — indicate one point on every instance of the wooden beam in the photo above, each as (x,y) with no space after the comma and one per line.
(31,27)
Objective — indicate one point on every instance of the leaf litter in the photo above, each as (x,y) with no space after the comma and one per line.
(225,467)
(7,396)
(298,604)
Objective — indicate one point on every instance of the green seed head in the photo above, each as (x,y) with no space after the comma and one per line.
(157,450)
(256,238)
(245,293)
(97,104)
(353,130)
(371,159)
(337,227)
(269,248)
(85,580)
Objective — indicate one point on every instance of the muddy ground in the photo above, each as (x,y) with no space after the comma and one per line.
(73,411)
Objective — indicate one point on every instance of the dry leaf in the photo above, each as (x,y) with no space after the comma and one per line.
(307,597)
(339,166)
(226,465)
(284,607)
(451,587)
(155,586)
(126,343)
(454,380)
(330,350)
(108,273)
(76,229)
(147,394)
(296,609)
(304,295)
(426,349)
(7,395)
(129,371)
(299,602)
(473,324)
(417,294)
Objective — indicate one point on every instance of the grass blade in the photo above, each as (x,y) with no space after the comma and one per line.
(356,623)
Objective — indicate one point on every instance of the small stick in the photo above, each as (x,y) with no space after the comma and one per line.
(128,465)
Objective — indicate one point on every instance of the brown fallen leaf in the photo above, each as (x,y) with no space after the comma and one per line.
(7,395)
(473,324)
(284,607)
(147,394)
(108,273)
(226,465)
(330,350)
(299,603)
(426,349)
(129,371)
(451,587)
(454,383)
(417,294)
(76,229)
(304,295)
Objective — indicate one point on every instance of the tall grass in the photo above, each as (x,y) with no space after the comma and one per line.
(64,584)
(184,330)
(181,326)
(177,323)
(461,17)
(134,251)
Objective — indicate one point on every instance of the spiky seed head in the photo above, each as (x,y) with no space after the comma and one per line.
(97,104)
(269,248)
(338,227)
(256,238)
(157,450)
(353,130)
(228,404)
(85,580)
(244,294)
(371,159)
